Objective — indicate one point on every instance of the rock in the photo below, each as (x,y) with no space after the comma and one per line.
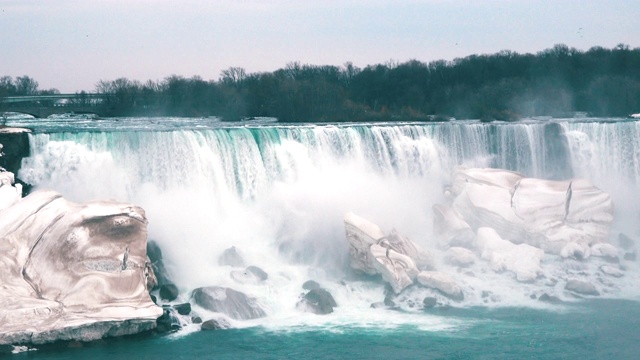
(231,257)
(396,269)
(394,257)
(581,287)
(611,271)
(606,251)
(429,302)
(630,256)
(157,263)
(310,285)
(169,292)
(460,256)
(523,260)
(9,194)
(450,229)
(227,301)
(183,309)
(168,322)
(576,250)
(542,213)
(215,324)
(318,301)
(250,275)
(196,320)
(73,272)
(442,282)
(625,242)
(549,298)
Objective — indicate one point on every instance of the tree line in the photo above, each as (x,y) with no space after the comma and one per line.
(503,86)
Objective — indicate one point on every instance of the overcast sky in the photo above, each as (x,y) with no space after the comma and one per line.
(71,44)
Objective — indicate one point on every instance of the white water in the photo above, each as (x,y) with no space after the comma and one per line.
(278,193)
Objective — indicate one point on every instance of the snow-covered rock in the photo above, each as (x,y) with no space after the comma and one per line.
(396,258)
(542,213)
(450,229)
(443,282)
(523,260)
(460,256)
(73,272)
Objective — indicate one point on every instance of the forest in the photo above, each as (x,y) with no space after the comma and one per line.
(503,86)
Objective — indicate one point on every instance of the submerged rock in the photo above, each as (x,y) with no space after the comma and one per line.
(227,301)
(72,272)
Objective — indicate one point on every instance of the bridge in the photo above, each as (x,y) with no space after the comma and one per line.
(41,106)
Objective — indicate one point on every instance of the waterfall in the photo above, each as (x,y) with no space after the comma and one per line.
(279,192)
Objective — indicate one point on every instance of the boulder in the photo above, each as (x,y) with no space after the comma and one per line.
(318,301)
(157,263)
(543,213)
(442,282)
(625,241)
(581,287)
(576,250)
(215,324)
(251,275)
(611,271)
(169,292)
(183,309)
(606,251)
(310,285)
(460,256)
(523,260)
(429,302)
(72,272)
(231,257)
(450,229)
(227,301)
(393,256)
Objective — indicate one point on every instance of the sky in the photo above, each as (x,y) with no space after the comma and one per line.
(72,44)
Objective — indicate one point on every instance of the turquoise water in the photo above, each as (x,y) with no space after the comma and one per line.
(595,329)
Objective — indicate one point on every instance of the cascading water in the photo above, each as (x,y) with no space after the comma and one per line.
(278,193)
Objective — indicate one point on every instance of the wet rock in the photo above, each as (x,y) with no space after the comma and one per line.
(549,298)
(442,282)
(231,257)
(157,263)
(169,292)
(310,285)
(581,287)
(429,302)
(318,301)
(215,324)
(251,275)
(183,309)
(630,256)
(168,322)
(227,301)
(196,320)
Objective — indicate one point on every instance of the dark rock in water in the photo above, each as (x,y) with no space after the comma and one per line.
(625,241)
(169,292)
(549,298)
(196,320)
(533,296)
(233,303)
(168,322)
(581,287)
(388,301)
(310,285)
(319,301)
(215,324)
(157,263)
(154,299)
(183,309)
(15,146)
(250,275)
(429,302)
(231,257)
